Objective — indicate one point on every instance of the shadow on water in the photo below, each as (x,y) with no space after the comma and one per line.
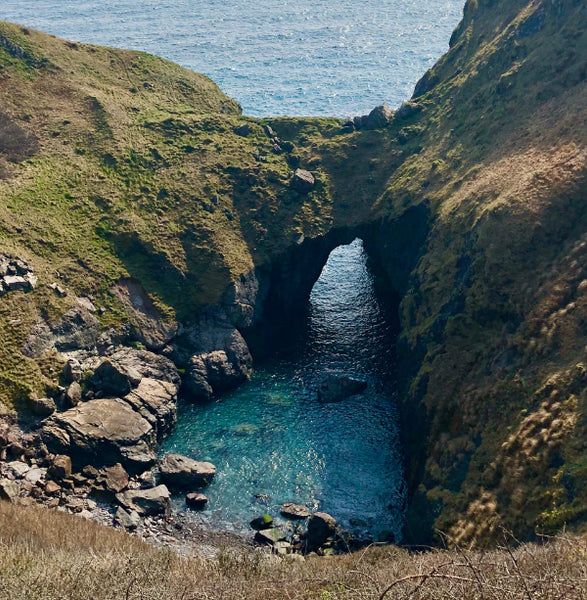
(273,441)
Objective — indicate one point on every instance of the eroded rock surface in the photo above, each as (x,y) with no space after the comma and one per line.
(181,472)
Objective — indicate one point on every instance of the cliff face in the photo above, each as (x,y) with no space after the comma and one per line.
(137,186)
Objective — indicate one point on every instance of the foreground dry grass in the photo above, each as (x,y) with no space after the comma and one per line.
(46,555)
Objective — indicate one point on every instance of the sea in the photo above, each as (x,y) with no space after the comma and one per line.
(272,440)
(298,58)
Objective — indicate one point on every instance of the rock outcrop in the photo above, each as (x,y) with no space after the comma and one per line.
(181,472)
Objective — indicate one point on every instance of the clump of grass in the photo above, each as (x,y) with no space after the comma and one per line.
(45,554)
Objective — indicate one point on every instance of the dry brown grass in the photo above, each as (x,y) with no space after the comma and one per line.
(46,555)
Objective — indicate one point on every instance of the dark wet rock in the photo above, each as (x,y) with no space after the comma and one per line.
(181,472)
(152,501)
(270,536)
(115,378)
(102,432)
(42,407)
(9,490)
(263,522)
(196,501)
(321,527)
(338,387)
(294,511)
(348,125)
(303,181)
(60,467)
(213,373)
(73,395)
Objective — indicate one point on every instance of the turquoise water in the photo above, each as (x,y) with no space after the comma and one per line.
(308,57)
(272,441)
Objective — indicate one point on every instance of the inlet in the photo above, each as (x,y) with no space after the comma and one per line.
(274,440)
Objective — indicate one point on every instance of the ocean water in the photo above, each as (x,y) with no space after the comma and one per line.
(308,57)
(273,441)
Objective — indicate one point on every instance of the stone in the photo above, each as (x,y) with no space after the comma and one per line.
(263,522)
(34,475)
(113,378)
(114,478)
(156,401)
(378,118)
(152,501)
(294,511)
(61,292)
(270,536)
(321,526)
(338,387)
(102,432)
(42,407)
(72,371)
(73,395)
(407,110)
(282,548)
(179,472)
(8,490)
(128,520)
(196,500)
(16,282)
(243,130)
(60,467)
(303,181)
(77,329)
(17,469)
(51,488)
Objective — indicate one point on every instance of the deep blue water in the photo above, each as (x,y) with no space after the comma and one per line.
(302,57)
(272,441)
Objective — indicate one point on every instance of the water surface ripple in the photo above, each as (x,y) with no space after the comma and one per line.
(272,441)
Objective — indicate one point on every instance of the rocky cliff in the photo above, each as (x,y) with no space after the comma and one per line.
(140,208)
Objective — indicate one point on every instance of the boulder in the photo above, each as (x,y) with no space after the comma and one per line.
(303,181)
(263,522)
(294,511)
(16,282)
(42,407)
(102,432)
(211,373)
(155,401)
(243,130)
(72,371)
(196,500)
(378,118)
(114,378)
(152,501)
(52,488)
(8,490)
(60,468)
(270,536)
(73,395)
(321,526)
(128,520)
(338,387)
(407,110)
(77,329)
(114,478)
(180,472)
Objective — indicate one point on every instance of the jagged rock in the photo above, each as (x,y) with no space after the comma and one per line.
(156,401)
(178,471)
(78,328)
(128,520)
(9,490)
(16,282)
(102,432)
(407,110)
(35,475)
(270,536)
(152,501)
(338,387)
(196,500)
(17,469)
(60,467)
(378,118)
(294,511)
(303,181)
(73,395)
(114,478)
(321,526)
(72,371)
(348,125)
(42,407)
(243,130)
(52,488)
(115,378)
(60,291)
(262,522)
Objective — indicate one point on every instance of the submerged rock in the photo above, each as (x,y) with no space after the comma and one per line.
(338,387)
(179,471)
(294,511)
(263,522)
(196,500)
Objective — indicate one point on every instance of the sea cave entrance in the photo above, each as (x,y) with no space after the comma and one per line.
(274,440)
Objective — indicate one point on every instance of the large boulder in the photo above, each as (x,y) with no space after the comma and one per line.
(102,432)
(338,387)
(294,511)
(378,118)
(152,501)
(303,181)
(321,527)
(181,472)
